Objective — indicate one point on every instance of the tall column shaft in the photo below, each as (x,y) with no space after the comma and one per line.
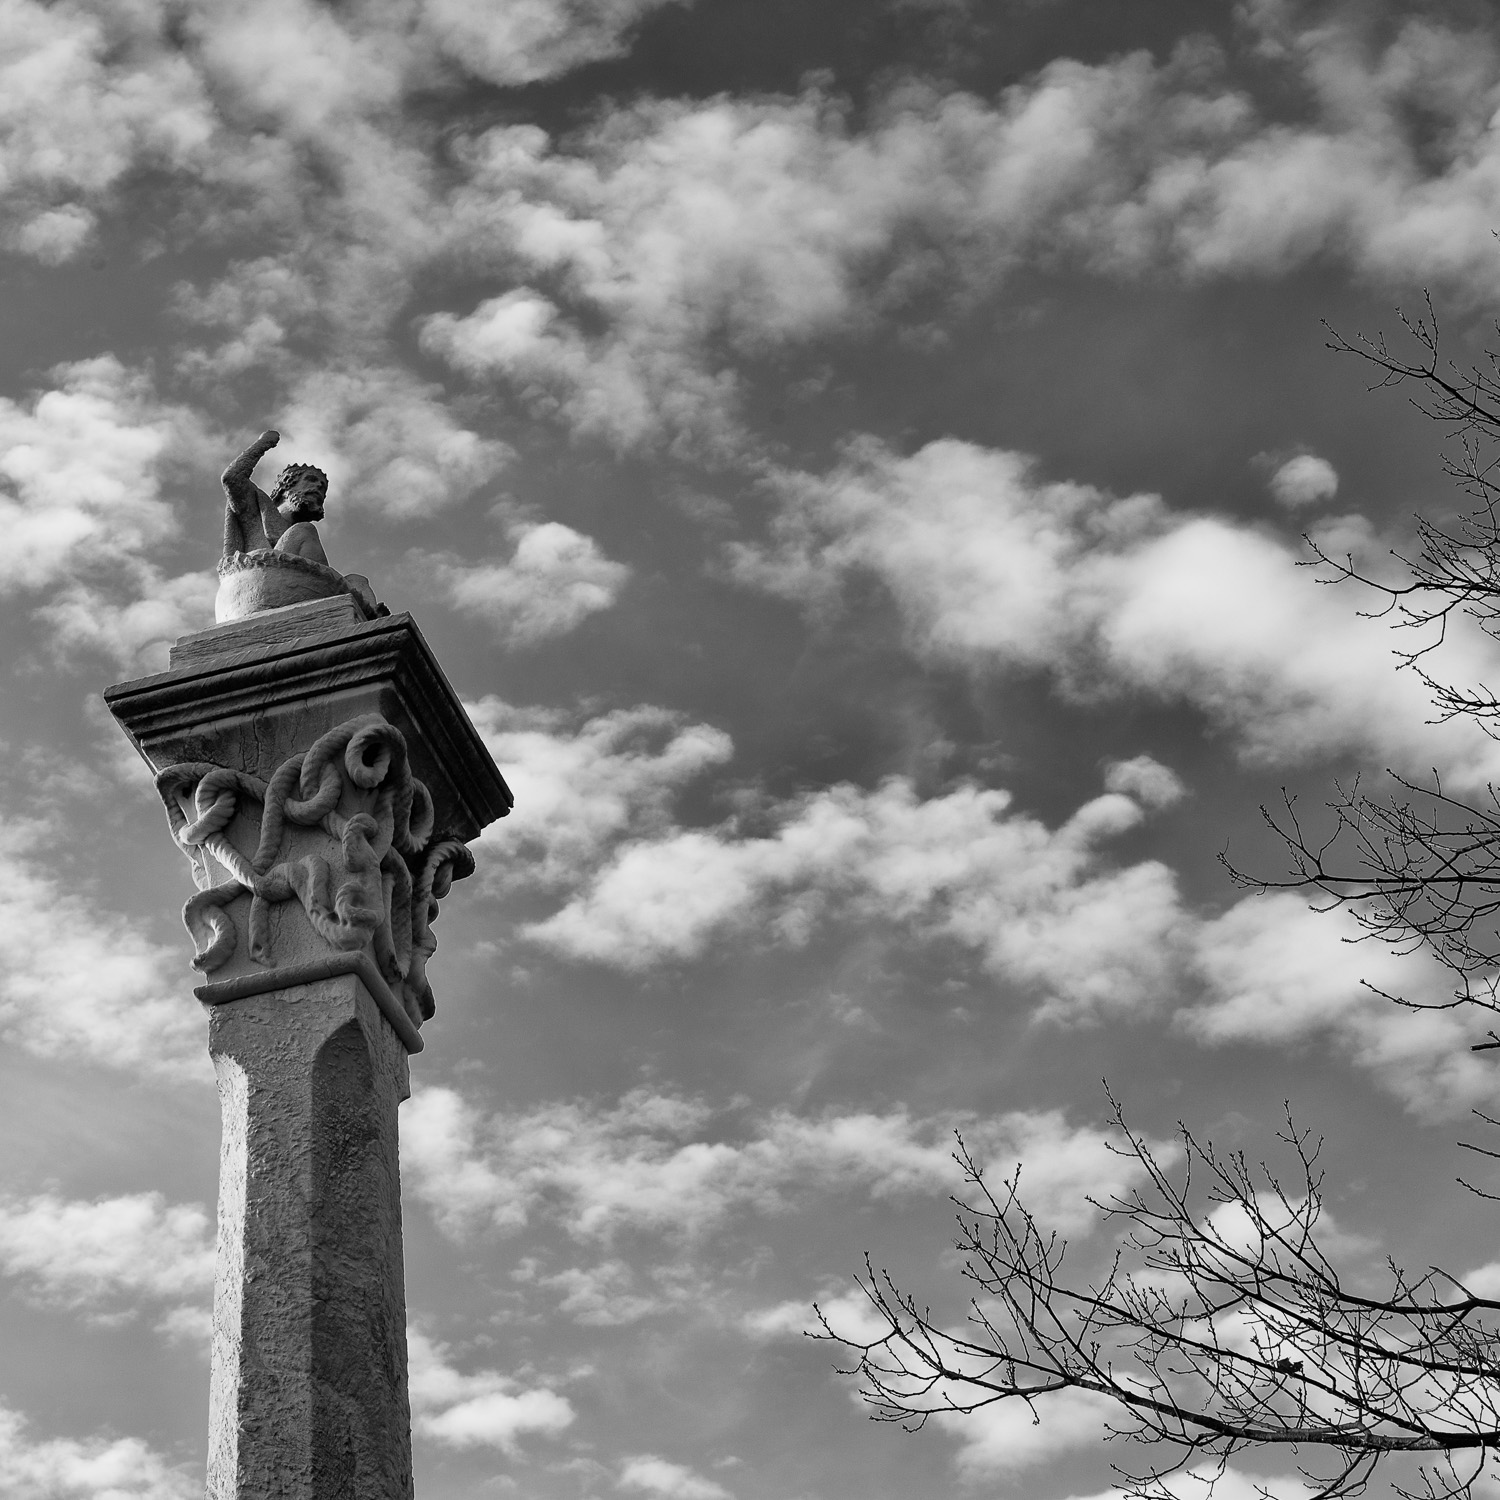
(308,1396)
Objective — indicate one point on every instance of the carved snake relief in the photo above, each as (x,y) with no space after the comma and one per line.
(394,873)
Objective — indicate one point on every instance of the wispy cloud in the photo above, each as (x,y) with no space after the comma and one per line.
(994,567)
(96,1468)
(661,1479)
(664,1164)
(81,980)
(108,1256)
(555,579)
(484,1409)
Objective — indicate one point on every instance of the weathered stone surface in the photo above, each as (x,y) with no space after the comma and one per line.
(308,1397)
(292,626)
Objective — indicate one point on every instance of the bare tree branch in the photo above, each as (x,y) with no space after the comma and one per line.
(1219,1325)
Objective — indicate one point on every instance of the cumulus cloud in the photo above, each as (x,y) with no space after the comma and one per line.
(485,1409)
(660,1479)
(1146,779)
(609,1294)
(1039,905)
(388,442)
(1230,1484)
(1277,972)
(109,1255)
(80,472)
(583,784)
(81,981)
(535,39)
(556,578)
(992,566)
(97,1468)
(84,469)
(676,240)
(1010,1436)
(132,621)
(658,1163)
(1303,481)
(849,1314)
(86,97)
(633,269)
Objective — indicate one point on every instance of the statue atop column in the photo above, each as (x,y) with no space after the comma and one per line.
(324,781)
(273,555)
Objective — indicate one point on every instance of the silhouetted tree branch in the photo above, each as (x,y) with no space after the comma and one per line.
(1219,1325)
(1420,868)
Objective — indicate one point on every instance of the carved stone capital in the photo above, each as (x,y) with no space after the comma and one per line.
(334,853)
(323,778)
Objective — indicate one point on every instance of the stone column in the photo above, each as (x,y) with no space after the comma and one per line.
(323,779)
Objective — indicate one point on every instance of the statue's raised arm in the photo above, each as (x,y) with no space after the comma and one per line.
(247,507)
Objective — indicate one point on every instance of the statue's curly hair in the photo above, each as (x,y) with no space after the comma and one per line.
(291,472)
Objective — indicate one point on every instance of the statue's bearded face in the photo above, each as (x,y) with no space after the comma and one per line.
(301,498)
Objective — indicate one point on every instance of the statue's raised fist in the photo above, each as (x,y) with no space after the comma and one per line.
(269,438)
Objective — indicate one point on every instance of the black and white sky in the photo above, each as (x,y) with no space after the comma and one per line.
(853,458)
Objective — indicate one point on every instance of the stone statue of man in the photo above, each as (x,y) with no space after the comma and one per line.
(283,521)
(272,554)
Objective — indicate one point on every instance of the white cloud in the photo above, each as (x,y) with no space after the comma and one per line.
(850,1315)
(83,468)
(606,1295)
(1145,779)
(85,97)
(80,473)
(662,1164)
(790,1319)
(82,982)
(534,38)
(133,632)
(581,787)
(97,1468)
(108,1255)
(484,1409)
(1010,1435)
(1278,973)
(1041,906)
(1304,480)
(677,239)
(296,65)
(388,442)
(992,567)
(660,1479)
(675,225)
(555,580)
(1231,1484)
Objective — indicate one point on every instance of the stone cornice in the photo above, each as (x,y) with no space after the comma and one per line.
(197,710)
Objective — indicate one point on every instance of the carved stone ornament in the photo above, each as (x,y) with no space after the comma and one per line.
(253,582)
(345,831)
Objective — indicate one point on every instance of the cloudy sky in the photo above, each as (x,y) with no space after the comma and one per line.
(853,457)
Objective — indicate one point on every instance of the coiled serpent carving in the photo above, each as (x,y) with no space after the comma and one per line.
(394,871)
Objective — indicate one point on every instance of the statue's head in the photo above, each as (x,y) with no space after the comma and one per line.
(300,492)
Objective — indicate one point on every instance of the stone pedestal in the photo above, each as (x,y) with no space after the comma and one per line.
(320,774)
